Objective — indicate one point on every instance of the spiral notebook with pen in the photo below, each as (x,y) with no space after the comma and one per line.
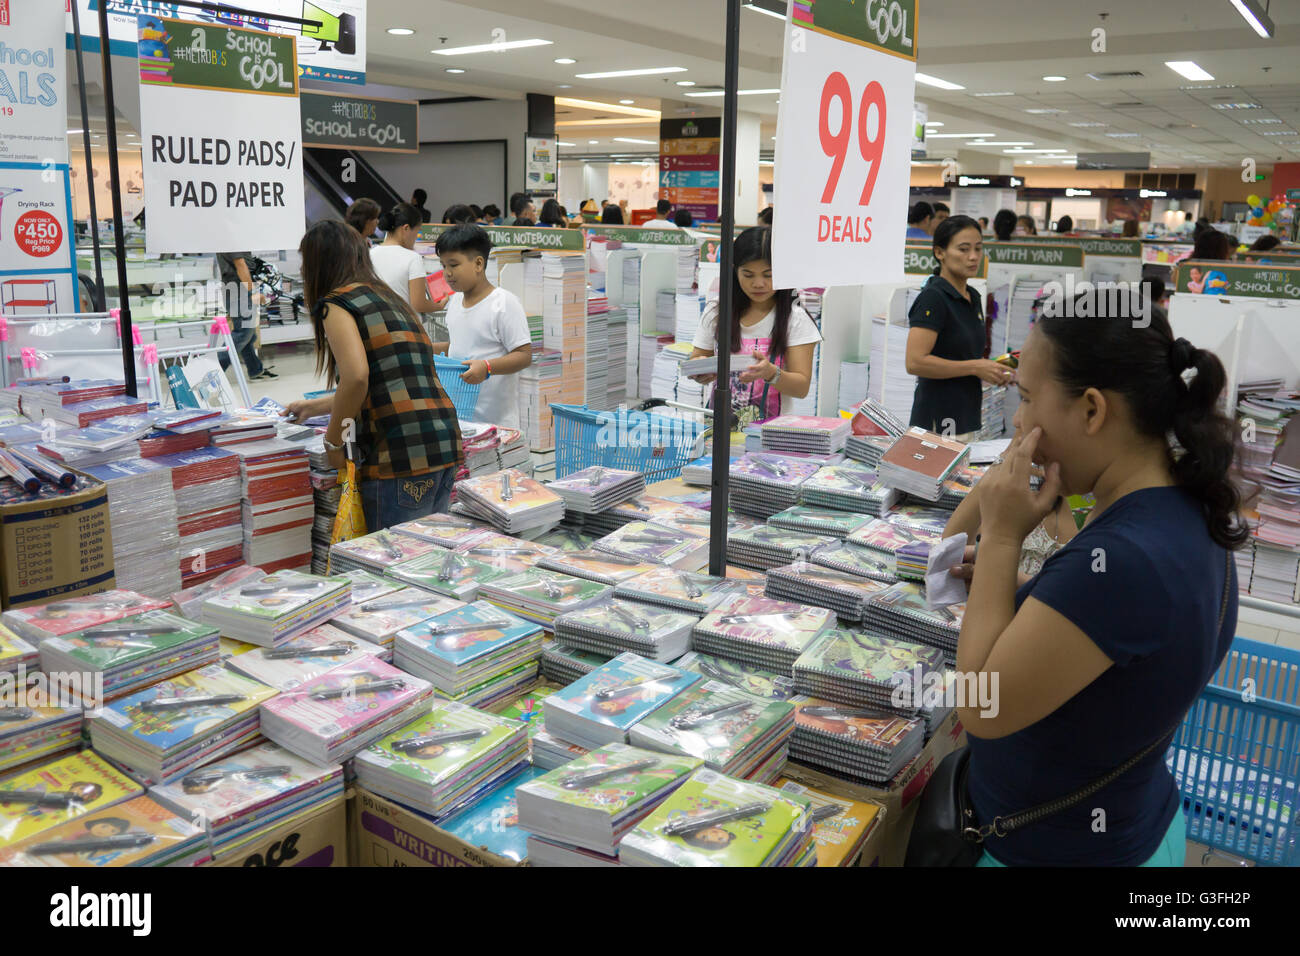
(616,625)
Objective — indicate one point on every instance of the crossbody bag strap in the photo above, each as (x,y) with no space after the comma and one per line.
(1003,825)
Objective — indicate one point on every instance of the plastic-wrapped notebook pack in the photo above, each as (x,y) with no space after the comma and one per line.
(753,680)
(614,625)
(601,707)
(277,607)
(848,488)
(764,484)
(30,733)
(911,560)
(918,517)
(766,546)
(569,539)
(860,744)
(656,544)
(858,560)
(819,520)
(54,791)
(761,631)
(840,826)
(189,602)
(303,659)
(901,610)
(860,669)
(37,622)
(16,654)
(562,664)
(378,619)
(377,551)
(478,654)
(713,820)
(845,594)
(142,514)
(681,590)
(492,820)
(592,802)
(803,433)
(444,530)
(504,551)
(511,501)
(452,573)
(867,449)
(604,567)
(597,488)
(138,832)
(919,462)
(641,508)
(542,596)
(699,523)
(163,731)
(959,485)
(444,759)
(885,536)
(730,729)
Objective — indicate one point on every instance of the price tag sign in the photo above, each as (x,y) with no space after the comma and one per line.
(844,142)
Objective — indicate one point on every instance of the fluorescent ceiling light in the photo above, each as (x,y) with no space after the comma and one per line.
(1188,69)
(616,121)
(1121,135)
(592,142)
(560,142)
(454,69)
(627,102)
(1089,124)
(958,135)
(1254,14)
(1235,106)
(1041,111)
(685,82)
(771,8)
(1005,142)
(1022,152)
(766,162)
(564,86)
(652,71)
(934,123)
(566,61)
(491,47)
(643,142)
(1062,79)
(607,107)
(74,131)
(935,81)
(738,93)
(1260,122)
(400,31)
(1279,132)
(994,94)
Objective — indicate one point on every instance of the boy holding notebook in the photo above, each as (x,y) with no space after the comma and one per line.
(487,326)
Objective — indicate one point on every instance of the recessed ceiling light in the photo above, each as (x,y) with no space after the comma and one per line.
(652,71)
(1062,79)
(1002,93)
(564,86)
(738,93)
(560,142)
(642,142)
(490,47)
(685,82)
(592,142)
(1188,69)
(566,61)
(627,102)
(400,31)
(609,107)
(1041,111)
(935,81)
(455,69)
(1089,124)
(1121,135)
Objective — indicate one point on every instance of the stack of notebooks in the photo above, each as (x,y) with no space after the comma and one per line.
(138,832)
(209,517)
(542,596)
(163,731)
(860,744)
(600,566)
(32,733)
(848,488)
(730,729)
(641,508)
(647,541)
(681,590)
(919,462)
(766,547)
(764,484)
(303,659)
(243,797)
(758,630)
(54,791)
(446,531)
(713,820)
(568,539)
(511,501)
(503,551)
(859,669)
(445,759)
(478,654)
(614,625)
(270,611)
(841,826)
(799,433)
(16,655)
(845,594)
(597,488)
(868,449)
(38,622)
(837,524)
(886,535)
(379,619)
(278,508)
(912,560)
(563,665)
(747,677)
(454,574)
(377,551)
(491,822)
(901,610)
(326,493)
(333,717)
(130,653)
(858,560)
(959,485)
(918,517)
(142,515)
(592,802)
(601,707)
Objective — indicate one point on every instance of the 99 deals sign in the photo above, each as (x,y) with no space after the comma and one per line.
(844,142)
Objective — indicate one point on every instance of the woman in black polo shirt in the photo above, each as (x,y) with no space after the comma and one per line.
(945,348)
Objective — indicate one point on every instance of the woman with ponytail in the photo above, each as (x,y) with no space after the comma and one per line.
(1094,662)
(396,261)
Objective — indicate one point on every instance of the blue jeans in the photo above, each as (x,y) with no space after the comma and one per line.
(244,345)
(390,501)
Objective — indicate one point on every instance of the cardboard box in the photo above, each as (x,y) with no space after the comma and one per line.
(874,844)
(55,547)
(388,834)
(900,799)
(320,839)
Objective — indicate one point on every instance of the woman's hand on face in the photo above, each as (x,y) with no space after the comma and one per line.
(762,370)
(1009,508)
(993,373)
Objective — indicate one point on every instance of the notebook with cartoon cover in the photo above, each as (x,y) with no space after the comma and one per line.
(754,680)
(887,537)
(714,721)
(59,790)
(384,548)
(840,826)
(15,652)
(781,625)
(468,634)
(274,597)
(117,646)
(550,591)
(678,588)
(619,693)
(445,530)
(492,822)
(347,699)
(77,613)
(920,518)
(137,832)
(597,565)
(908,600)
(856,559)
(304,658)
(528,708)
(378,619)
(859,657)
(452,573)
(840,524)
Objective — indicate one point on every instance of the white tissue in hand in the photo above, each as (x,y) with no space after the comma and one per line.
(941,588)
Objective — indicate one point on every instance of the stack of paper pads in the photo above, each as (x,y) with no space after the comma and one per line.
(681,590)
(601,707)
(766,547)
(800,433)
(919,462)
(377,551)
(274,609)
(614,625)
(861,744)
(563,665)
(901,609)
(763,484)
(510,500)
(845,594)
(837,524)
(758,630)
(303,659)
(597,488)
(541,596)
(848,488)
(656,544)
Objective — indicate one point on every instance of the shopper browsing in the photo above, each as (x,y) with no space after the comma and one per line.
(611,215)
(457,214)
(1004,224)
(396,261)
(363,216)
(241,301)
(373,345)
(767,327)
(661,221)
(946,344)
(487,326)
(1101,654)
(522,208)
(1025,226)
(552,215)
(920,221)
(941,212)
(418,199)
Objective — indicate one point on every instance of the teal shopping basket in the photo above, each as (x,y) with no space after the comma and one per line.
(462,395)
(1236,757)
(633,439)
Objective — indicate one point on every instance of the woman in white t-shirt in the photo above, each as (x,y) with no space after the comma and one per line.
(768,327)
(396,261)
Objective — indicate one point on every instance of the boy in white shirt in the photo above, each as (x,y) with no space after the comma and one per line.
(661,221)
(487,326)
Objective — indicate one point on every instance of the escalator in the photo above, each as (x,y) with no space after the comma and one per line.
(329,194)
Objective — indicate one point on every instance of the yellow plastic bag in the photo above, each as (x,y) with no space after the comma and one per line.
(350,522)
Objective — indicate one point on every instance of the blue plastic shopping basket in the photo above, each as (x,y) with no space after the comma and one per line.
(633,439)
(1236,756)
(463,396)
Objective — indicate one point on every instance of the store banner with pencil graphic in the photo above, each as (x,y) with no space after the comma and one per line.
(221,137)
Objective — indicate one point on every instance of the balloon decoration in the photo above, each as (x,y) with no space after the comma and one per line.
(1253,201)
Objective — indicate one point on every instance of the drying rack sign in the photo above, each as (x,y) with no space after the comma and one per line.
(335,121)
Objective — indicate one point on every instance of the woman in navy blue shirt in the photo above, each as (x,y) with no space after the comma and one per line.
(1102,652)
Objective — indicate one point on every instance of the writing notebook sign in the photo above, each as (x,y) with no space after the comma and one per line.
(844,137)
(518,237)
(335,121)
(220,137)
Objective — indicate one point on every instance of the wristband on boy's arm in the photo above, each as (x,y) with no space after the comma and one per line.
(489,368)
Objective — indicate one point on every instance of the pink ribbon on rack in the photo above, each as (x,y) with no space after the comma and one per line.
(150,354)
(116,316)
(136,337)
(4,330)
(221,326)
(29,358)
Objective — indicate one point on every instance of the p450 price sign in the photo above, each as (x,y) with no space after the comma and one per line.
(844,142)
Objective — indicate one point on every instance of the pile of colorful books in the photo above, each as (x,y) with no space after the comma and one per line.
(542,596)
(273,609)
(848,487)
(656,544)
(597,488)
(919,462)
(901,610)
(600,708)
(845,594)
(377,551)
(859,744)
(138,832)
(761,631)
(681,590)
(304,658)
(766,546)
(614,625)
(764,484)
(819,520)
(800,433)
(511,501)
